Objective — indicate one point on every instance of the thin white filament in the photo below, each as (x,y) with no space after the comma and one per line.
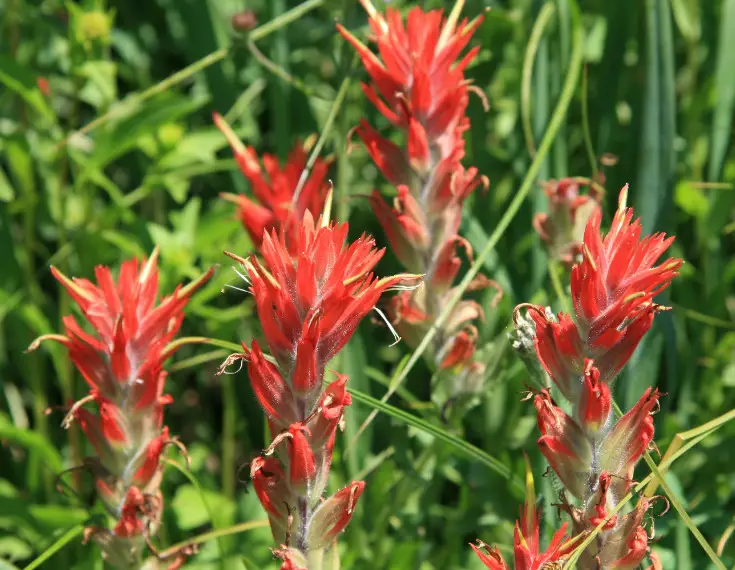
(397,338)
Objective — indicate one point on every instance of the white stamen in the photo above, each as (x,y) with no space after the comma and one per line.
(236,289)
(241,275)
(400,287)
(390,326)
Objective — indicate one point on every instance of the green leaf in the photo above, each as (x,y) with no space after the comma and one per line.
(192,506)
(457,443)
(100,89)
(655,181)
(7,193)
(724,91)
(691,200)
(32,441)
(23,81)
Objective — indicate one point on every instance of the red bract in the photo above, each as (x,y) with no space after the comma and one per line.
(278,206)
(122,363)
(563,443)
(630,437)
(418,83)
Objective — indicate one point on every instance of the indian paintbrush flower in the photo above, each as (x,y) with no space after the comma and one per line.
(417,82)
(309,297)
(613,285)
(122,362)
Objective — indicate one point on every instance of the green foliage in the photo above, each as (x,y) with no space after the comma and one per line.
(107,148)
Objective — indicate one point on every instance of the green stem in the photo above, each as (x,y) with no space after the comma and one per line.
(229,424)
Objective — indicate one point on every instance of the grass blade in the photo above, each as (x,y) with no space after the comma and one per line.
(458,443)
(725,91)
(63,540)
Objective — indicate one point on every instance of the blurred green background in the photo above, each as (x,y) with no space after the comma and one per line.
(107,148)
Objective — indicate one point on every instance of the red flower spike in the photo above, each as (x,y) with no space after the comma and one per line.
(593,409)
(277,206)
(122,360)
(630,436)
(614,285)
(332,516)
(563,443)
(418,84)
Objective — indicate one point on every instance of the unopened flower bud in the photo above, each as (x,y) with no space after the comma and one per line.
(630,436)
(594,400)
(333,515)
(563,443)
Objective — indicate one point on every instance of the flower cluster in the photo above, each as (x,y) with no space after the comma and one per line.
(282,196)
(561,229)
(418,84)
(122,363)
(309,304)
(612,289)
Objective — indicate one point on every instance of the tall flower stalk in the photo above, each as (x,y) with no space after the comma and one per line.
(417,82)
(592,452)
(122,362)
(309,296)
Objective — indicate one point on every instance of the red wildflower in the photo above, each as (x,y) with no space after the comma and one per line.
(419,75)
(309,297)
(418,83)
(324,291)
(274,188)
(614,286)
(122,363)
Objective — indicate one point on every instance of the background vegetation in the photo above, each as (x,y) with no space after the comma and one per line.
(107,148)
